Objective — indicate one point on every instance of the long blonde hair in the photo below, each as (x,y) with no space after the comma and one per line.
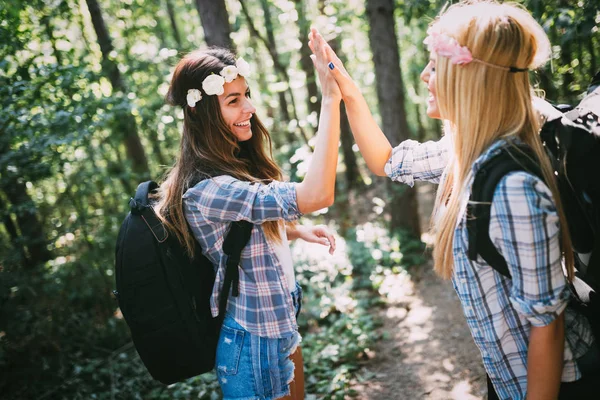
(208,147)
(480,104)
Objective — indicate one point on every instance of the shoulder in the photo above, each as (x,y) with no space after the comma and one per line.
(215,185)
(524,192)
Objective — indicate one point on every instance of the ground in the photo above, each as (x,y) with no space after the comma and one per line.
(427,351)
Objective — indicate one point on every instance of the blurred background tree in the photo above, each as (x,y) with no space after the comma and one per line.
(83,120)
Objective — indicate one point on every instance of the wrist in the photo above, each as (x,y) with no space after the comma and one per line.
(352,96)
(331,99)
(296,233)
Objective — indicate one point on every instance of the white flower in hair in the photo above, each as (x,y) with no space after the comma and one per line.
(230,72)
(243,67)
(213,84)
(193,96)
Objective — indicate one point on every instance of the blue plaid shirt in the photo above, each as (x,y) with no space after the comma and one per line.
(500,311)
(264,305)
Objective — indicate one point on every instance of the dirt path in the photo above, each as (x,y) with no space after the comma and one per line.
(427,351)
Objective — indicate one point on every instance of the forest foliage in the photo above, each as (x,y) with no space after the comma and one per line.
(83,120)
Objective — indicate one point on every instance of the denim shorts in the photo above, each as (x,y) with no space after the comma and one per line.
(251,367)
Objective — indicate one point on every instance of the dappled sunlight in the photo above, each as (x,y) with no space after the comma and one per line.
(430,353)
(396,287)
(463,391)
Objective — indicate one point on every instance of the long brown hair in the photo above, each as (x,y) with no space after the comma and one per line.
(208,147)
(481,104)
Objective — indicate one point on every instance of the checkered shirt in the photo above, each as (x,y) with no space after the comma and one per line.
(264,305)
(500,311)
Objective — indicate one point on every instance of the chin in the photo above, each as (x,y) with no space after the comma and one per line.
(435,114)
(244,138)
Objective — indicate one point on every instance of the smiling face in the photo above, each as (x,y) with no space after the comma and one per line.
(428,76)
(237,109)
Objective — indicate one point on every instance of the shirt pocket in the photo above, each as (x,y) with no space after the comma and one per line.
(229,350)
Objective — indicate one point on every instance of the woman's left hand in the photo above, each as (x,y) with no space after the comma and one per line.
(319,46)
(317,234)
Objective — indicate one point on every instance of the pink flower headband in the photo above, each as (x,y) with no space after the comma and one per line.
(447,46)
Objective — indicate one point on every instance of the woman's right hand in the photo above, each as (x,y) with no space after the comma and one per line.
(324,57)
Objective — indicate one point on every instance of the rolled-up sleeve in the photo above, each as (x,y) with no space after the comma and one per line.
(413,161)
(225,198)
(524,227)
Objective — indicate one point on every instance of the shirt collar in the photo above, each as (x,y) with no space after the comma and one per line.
(492,151)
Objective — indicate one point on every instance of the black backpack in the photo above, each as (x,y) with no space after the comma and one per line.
(164,295)
(571,136)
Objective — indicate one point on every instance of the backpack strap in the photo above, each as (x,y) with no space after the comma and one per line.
(480,202)
(235,241)
(593,266)
(140,205)
(140,201)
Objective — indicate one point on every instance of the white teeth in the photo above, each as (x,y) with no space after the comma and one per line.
(247,123)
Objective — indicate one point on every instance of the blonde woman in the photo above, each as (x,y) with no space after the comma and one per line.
(533,346)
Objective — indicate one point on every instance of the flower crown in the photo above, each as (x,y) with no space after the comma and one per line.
(214,84)
(447,46)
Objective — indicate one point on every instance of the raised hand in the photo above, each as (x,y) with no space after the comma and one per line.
(329,87)
(325,59)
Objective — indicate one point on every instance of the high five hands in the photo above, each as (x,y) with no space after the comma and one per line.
(326,60)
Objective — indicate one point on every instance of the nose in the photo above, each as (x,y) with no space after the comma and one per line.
(425,74)
(249,107)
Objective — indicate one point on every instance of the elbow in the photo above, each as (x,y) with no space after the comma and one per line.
(316,203)
(311,199)
(377,168)
(324,201)
(328,200)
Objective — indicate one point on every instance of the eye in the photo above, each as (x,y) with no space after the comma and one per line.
(233,101)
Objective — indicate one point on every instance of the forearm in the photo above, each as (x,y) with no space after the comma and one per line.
(372,143)
(317,189)
(292,231)
(545,360)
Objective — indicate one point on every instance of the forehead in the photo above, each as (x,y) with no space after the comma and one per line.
(238,85)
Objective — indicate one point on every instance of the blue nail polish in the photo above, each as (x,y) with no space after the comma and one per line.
(331,66)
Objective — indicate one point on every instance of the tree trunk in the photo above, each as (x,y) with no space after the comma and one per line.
(313,101)
(126,124)
(352,173)
(593,65)
(29,224)
(390,93)
(272,49)
(353,177)
(15,238)
(215,22)
(173,22)
(283,102)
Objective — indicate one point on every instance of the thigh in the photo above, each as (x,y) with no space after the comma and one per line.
(297,385)
(251,367)
(234,363)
